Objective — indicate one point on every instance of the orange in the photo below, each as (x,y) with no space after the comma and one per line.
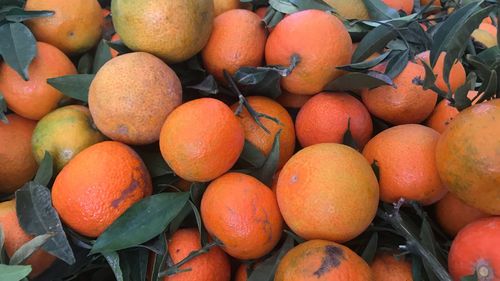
(444,113)
(322,43)
(64,133)
(325,118)
(475,249)
(260,138)
(15,237)
(425,2)
(172,30)
(457,72)
(241,273)
(327,191)
(15,152)
(211,266)
(201,139)
(467,157)
(261,12)
(485,37)
(322,260)
(403,5)
(132,95)
(291,100)
(387,267)
(490,28)
(222,6)
(405,103)
(405,157)
(242,212)
(238,39)
(34,98)
(452,214)
(114,38)
(74,28)
(354,9)
(98,185)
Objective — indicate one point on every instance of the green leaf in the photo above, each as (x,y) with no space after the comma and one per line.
(14,272)
(430,76)
(207,87)
(119,46)
(472,277)
(19,15)
(159,261)
(376,169)
(265,270)
(134,264)
(113,260)
(259,80)
(460,100)
(102,55)
(371,248)
(18,3)
(26,250)
(3,109)
(85,64)
(196,192)
(428,241)
(348,138)
(154,162)
(141,222)
(481,68)
(272,17)
(252,155)
(416,268)
(74,86)
(358,80)
(199,223)
(176,223)
(283,6)
(45,170)
(266,173)
(17,47)
(374,41)
(2,242)
(491,87)
(378,10)
(311,5)
(398,63)
(490,56)
(365,65)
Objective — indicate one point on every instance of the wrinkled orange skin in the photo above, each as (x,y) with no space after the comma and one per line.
(467,157)
(238,39)
(457,72)
(132,95)
(222,6)
(386,267)
(99,185)
(406,104)
(34,98)
(475,248)
(260,138)
(211,266)
(327,191)
(324,118)
(321,260)
(242,212)
(404,5)
(15,152)
(201,139)
(452,214)
(15,237)
(322,43)
(405,157)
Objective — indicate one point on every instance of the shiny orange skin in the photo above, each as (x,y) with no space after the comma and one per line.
(242,212)
(75,27)
(15,237)
(452,214)
(15,152)
(260,138)
(34,98)
(475,248)
(238,39)
(211,266)
(405,157)
(291,100)
(99,185)
(114,38)
(325,118)
(467,157)
(387,267)
(132,95)
(321,260)
(327,191)
(322,43)
(201,139)
(404,5)
(457,72)
(406,104)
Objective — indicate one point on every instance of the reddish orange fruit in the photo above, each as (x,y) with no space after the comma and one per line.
(387,267)
(403,5)
(457,72)
(444,113)
(291,100)
(261,12)
(222,6)
(241,273)
(488,27)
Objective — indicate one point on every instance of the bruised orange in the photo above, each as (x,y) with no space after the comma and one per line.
(457,72)
(387,267)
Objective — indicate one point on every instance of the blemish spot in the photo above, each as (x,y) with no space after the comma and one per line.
(133,186)
(332,259)
(177,250)
(71,34)
(67,154)
(122,129)
(294,179)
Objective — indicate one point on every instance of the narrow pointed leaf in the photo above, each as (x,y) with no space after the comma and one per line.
(252,155)
(365,64)
(74,86)
(374,41)
(3,109)
(371,248)
(119,46)
(17,47)
(19,15)
(265,270)
(207,87)
(397,64)
(378,10)
(358,80)
(311,4)
(266,173)
(85,63)
(283,6)
(26,250)
(2,241)
(134,264)
(45,170)
(14,272)
(102,55)
(113,260)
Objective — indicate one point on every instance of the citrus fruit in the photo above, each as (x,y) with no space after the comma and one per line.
(222,6)
(15,152)
(400,5)
(475,250)
(173,30)
(238,39)
(34,98)
(75,27)
(321,42)
(243,214)
(114,38)
(241,273)
(355,9)
(322,260)
(132,95)
(211,266)
(201,139)
(444,113)
(260,138)
(423,3)
(64,133)
(98,185)
(403,104)
(405,155)
(327,116)
(327,191)
(457,72)
(467,157)
(261,12)
(490,28)
(291,100)
(387,267)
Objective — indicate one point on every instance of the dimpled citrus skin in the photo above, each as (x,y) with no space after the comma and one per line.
(34,98)
(201,139)
(99,185)
(327,191)
(457,72)
(132,95)
(242,212)
(322,43)
(387,267)
(321,260)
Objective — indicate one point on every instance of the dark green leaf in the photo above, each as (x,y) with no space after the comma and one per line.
(159,261)
(378,10)
(102,55)
(179,219)
(113,260)
(155,245)
(26,250)
(207,87)
(376,169)
(360,66)
(358,80)
(481,68)
(430,77)
(252,155)
(19,15)
(491,55)
(416,268)
(371,248)
(45,170)
(85,64)
(74,86)
(141,222)
(472,277)
(17,47)
(3,109)
(2,241)
(311,4)
(119,46)
(274,17)
(259,80)
(428,241)
(201,229)
(461,101)
(295,237)
(37,217)
(491,88)
(373,42)
(196,192)
(134,264)
(397,64)
(265,270)
(155,163)
(283,6)
(14,272)
(18,3)
(348,138)
(266,173)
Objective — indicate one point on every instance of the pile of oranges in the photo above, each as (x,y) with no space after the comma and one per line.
(325,192)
